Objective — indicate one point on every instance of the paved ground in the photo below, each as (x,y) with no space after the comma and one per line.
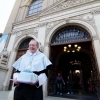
(4,96)
(57,98)
(78,96)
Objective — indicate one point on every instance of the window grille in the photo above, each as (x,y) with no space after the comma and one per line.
(35,7)
(70,34)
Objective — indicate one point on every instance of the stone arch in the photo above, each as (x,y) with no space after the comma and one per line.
(79,23)
(20,40)
(26,2)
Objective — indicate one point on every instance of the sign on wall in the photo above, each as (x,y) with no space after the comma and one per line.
(3,41)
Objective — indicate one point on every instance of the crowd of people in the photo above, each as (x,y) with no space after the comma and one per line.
(60,81)
(88,85)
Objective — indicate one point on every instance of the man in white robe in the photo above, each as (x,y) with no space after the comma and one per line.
(38,63)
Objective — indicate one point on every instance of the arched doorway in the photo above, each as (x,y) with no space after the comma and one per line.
(23,47)
(72,55)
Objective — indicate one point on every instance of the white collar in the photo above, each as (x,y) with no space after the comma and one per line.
(29,53)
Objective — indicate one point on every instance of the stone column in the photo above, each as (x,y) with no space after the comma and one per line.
(11,93)
(44,4)
(46,52)
(7,78)
(96,44)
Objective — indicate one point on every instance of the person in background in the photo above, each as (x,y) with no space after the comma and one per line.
(68,83)
(59,83)
(38,64)
(90,85)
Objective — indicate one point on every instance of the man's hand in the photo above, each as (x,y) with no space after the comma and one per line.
(15,81)
(31,83)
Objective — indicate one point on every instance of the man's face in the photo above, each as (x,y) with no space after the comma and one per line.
(32,46)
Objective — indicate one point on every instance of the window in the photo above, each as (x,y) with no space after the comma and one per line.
(35,7)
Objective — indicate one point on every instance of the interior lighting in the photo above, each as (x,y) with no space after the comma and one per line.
(79,47)
(73,50)
(68,51)
(64,50)
(69,45)
(75,45)
(77,71)
(65,47)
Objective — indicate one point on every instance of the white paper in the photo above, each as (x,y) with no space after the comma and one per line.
(15,75)
(42,79)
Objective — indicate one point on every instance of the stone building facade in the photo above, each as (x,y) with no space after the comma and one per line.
(42,25)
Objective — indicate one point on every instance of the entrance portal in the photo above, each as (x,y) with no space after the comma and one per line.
(72,55)
(77,65)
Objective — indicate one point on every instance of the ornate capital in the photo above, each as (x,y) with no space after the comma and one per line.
(96,11)
(42,24)
(47,44)
(95,37)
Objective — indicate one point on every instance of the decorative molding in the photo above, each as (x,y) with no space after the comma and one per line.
(47,44)
(88,17)
(96,37)
(64,4)
(52,24)
(96,11)
(42,24)
(33,31)
(58,6)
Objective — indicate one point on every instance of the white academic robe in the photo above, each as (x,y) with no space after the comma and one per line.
(39,64)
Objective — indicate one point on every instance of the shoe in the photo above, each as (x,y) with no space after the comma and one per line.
(60,93)
(68,93)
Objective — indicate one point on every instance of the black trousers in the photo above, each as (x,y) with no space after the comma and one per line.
(28,92)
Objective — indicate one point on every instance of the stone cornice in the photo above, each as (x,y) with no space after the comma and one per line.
(56,7)
(64,4)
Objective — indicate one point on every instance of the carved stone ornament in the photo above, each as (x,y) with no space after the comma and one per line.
(42,24)
(26,32)
(52,24)
(64,4)
(57,6)
(96,11)
(47,44)
(96,37)
(86,18)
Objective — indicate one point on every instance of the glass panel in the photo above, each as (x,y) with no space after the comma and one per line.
(39,8)
(25,43)
(40,5)
(35,10)
(31,7)
(69,34)
(30,12)
(35,7)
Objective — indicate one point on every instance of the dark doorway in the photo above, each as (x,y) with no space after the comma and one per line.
(78,65)
(72,55)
